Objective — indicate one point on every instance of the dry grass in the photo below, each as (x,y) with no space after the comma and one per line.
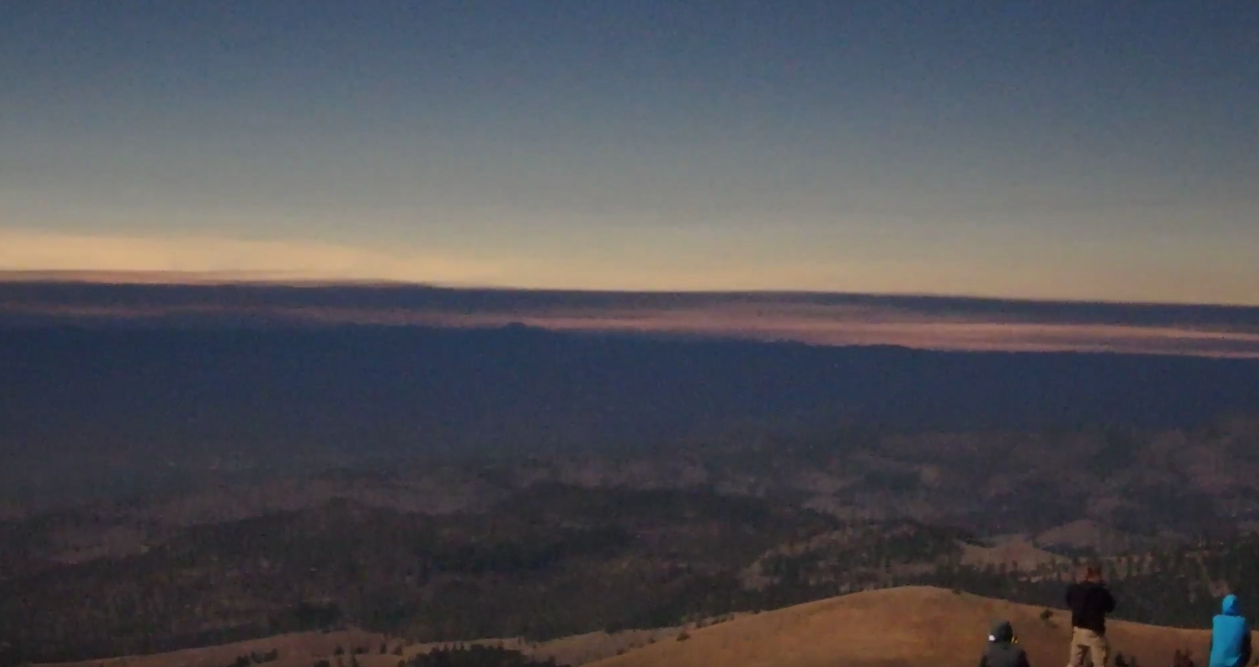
(890,628)
(296,650)
(305,649)
(1016,553)
(1087,533)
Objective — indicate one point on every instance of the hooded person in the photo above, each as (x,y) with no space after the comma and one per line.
(1230,636)
(1003,648)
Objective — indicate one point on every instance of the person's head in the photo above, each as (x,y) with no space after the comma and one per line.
(1093,574)
(1002,633)
(1231,606)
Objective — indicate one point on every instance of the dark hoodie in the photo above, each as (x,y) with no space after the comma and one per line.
(1089,603)
(1003,649)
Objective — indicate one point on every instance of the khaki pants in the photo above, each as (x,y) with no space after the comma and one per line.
(1088,643)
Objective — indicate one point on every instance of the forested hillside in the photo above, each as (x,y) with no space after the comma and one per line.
(554,560)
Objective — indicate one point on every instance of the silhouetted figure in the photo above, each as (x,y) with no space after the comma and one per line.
(1003,648)
(1230,636)
(1090,601)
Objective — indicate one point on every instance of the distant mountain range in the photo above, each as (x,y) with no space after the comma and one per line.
(448,465)
(88,400)
(923,322)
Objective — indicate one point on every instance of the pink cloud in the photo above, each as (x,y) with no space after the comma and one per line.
(755,317)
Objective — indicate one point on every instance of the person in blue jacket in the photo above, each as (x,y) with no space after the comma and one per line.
(1230,636)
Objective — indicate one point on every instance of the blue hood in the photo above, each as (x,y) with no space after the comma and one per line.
(1230,636)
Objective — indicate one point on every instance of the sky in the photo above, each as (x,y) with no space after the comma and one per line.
(1018,149)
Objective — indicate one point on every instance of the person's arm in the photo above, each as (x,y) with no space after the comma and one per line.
(983,660)
(1244,659)
(1022,660)
(1109,601)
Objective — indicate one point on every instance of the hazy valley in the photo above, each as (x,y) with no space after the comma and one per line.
(182,486)
(547,547)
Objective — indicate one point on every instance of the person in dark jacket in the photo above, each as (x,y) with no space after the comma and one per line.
(1230,636)
(1089,601)
(1003,648)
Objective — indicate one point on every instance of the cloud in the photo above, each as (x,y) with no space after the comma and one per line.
(820,319)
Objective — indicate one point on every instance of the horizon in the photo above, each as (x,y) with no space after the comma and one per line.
(925,322)
(265,278)
(336,331)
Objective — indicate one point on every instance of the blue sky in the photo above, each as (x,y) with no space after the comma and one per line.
(1083,150)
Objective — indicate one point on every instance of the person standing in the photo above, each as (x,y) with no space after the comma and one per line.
(1230,636)
(1089,601)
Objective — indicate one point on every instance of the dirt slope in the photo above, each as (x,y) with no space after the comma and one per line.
(903,626)
(889,628)
(307,648)
(295,650)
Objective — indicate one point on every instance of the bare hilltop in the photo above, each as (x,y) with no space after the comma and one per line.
(912,625)
(889,628)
